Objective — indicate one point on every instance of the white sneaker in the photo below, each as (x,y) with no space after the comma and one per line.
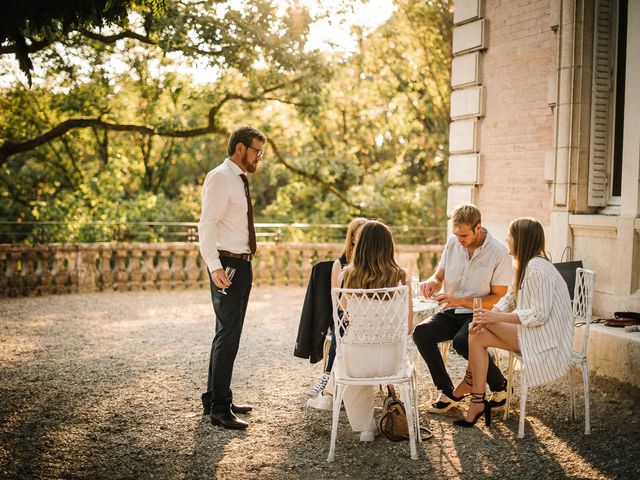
(321,402)
(319,386)
(367,436)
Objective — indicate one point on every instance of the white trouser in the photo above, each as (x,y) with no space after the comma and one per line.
(361,361)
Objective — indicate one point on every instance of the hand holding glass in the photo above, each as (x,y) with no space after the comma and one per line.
(230,272)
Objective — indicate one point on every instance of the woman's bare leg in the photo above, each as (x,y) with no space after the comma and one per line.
(500,335)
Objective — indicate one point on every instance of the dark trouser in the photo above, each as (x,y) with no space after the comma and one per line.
(332,353)
(450,326)
(230,310)
(334,344)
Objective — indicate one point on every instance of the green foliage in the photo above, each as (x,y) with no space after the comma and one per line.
(352,134)
(46,22)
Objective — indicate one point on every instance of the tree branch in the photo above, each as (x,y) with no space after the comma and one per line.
(34,46)
(9,147)
(312,176)
(118,36)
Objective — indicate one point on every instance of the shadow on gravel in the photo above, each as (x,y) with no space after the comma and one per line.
(209,447)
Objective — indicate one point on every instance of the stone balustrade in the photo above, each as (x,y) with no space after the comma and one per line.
(93,267)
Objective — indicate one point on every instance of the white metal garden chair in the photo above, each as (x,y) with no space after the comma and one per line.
(582,309)
(373,325)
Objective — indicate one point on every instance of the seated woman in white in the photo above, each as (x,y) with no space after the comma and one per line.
(372,266)
(534,319)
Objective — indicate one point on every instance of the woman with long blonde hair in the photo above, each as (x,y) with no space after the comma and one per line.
(338,266)
(534,319)
(373,266)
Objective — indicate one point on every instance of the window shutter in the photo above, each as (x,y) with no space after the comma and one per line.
(601,103)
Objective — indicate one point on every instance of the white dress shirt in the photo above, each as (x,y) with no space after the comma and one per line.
(545,332)
(223,222)
(466,276)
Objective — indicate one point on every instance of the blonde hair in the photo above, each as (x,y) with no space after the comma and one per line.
(373,264)
(528,242)
(350,240)
(466,214)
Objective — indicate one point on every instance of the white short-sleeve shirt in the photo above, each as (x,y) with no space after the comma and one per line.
(466,276)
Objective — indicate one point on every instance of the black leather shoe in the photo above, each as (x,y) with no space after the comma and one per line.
(241,408)
(228,420)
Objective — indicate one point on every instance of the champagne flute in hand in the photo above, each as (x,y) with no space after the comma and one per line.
(477,304)
(230,272)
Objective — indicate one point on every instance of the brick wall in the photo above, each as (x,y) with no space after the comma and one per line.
(518,125)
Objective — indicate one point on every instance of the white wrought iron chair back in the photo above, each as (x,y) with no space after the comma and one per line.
(374,325)
(371,330)
(582,311)
(583,304)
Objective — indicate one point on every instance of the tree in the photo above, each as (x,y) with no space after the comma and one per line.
(28,26)
(349,134)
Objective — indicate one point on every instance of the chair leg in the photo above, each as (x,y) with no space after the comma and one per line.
(585,378)
(444,350)
(414,394)
(572,391)
(337,401)
(523,405)
(408,403)
(510,367)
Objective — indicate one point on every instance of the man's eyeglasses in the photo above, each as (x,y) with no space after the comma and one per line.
(259,153)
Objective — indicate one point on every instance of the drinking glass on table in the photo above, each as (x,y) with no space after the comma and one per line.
(230,272)
(415,286)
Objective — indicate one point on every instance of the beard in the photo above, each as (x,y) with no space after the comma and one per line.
(250,167)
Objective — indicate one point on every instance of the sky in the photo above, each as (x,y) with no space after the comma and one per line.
(368,14)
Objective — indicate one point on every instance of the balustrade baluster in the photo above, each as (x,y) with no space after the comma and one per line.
(164,269)
(121,274)
(87,272)
(29,279)
(135,269)
(259,265)
(44,270)
(149,269)
(178,276)
(106,267)
(191,267)
(307,264)
(12,274)
(60,272)
(279,265)
(203,277)
(293,267)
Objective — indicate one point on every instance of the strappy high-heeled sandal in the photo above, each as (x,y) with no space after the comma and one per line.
(477,398)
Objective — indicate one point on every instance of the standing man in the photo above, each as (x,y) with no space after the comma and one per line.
(473,264)
(228,239)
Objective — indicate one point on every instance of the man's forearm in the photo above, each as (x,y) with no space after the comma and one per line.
(488,301)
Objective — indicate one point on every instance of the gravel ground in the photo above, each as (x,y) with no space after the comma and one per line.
(108,386)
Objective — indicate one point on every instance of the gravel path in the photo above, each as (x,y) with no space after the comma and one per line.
(108,386)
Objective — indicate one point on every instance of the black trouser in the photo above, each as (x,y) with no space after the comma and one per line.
(230,310)
(446,326)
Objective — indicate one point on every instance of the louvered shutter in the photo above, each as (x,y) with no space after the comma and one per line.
(602,103)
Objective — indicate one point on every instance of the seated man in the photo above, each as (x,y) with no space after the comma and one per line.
(473,265)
